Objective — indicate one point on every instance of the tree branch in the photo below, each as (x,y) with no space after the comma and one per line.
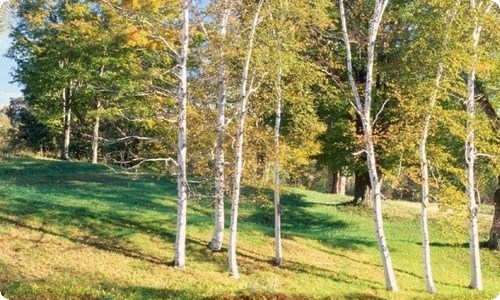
(379,112)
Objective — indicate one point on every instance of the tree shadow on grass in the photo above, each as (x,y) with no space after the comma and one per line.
(101,244)
(108,210)
(87,182)
(302,218)
(446,245)
(295,215)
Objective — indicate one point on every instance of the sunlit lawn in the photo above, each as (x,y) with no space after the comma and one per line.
(77,231)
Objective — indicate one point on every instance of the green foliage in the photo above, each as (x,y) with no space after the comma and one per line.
(25,131)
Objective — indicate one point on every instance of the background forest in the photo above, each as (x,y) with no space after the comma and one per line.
(380,100)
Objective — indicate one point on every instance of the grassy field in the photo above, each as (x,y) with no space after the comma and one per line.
(76,231)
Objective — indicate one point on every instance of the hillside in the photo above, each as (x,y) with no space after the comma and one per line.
(76,231)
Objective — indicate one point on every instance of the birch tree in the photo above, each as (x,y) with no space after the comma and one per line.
(424,165)
(278,259)
(470,151)
(95,133)
(277,206)
(218,235)
(246,90)
(363,108)
(180,240)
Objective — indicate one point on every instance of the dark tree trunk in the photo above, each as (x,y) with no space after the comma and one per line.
(334,182)
(361,187)
(494,242)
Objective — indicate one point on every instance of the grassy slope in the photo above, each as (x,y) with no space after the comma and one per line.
(76,231)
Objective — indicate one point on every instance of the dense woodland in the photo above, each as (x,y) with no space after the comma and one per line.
(381,99)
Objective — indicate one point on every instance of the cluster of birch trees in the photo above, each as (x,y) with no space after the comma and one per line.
(395,93)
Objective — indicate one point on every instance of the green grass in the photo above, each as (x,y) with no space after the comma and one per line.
(77,231)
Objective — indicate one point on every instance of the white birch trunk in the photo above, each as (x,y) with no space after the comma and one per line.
(470,158)
(277,206)
(424,166)
(66,98)
(180,241)
(218,235)
(233,265)
(279,95)
(364,110)
(95,134)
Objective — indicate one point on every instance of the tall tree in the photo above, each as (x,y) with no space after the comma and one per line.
(180,241)
(363,108)
(48,59)
(218,235)
(278,259)
(245,92)
(424,161)
(470,151)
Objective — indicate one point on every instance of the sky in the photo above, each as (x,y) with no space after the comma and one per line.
(7,89)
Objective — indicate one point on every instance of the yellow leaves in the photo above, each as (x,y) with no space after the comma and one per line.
(150,5)
(141,38)
(83,27)
(136,37)
(130,4)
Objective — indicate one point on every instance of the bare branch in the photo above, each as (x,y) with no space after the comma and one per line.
(359,152)
(379,112)
(349,57)
(251,90)
(485,155)
(132,138)
(141,160)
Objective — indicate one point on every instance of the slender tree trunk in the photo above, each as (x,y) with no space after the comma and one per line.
(390,278)
(233,265)
(95,135)
(180,241)
(277,206)
(364,110)
(218,235)
(424,165)
(334,182)
(66,98)
(279,97)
